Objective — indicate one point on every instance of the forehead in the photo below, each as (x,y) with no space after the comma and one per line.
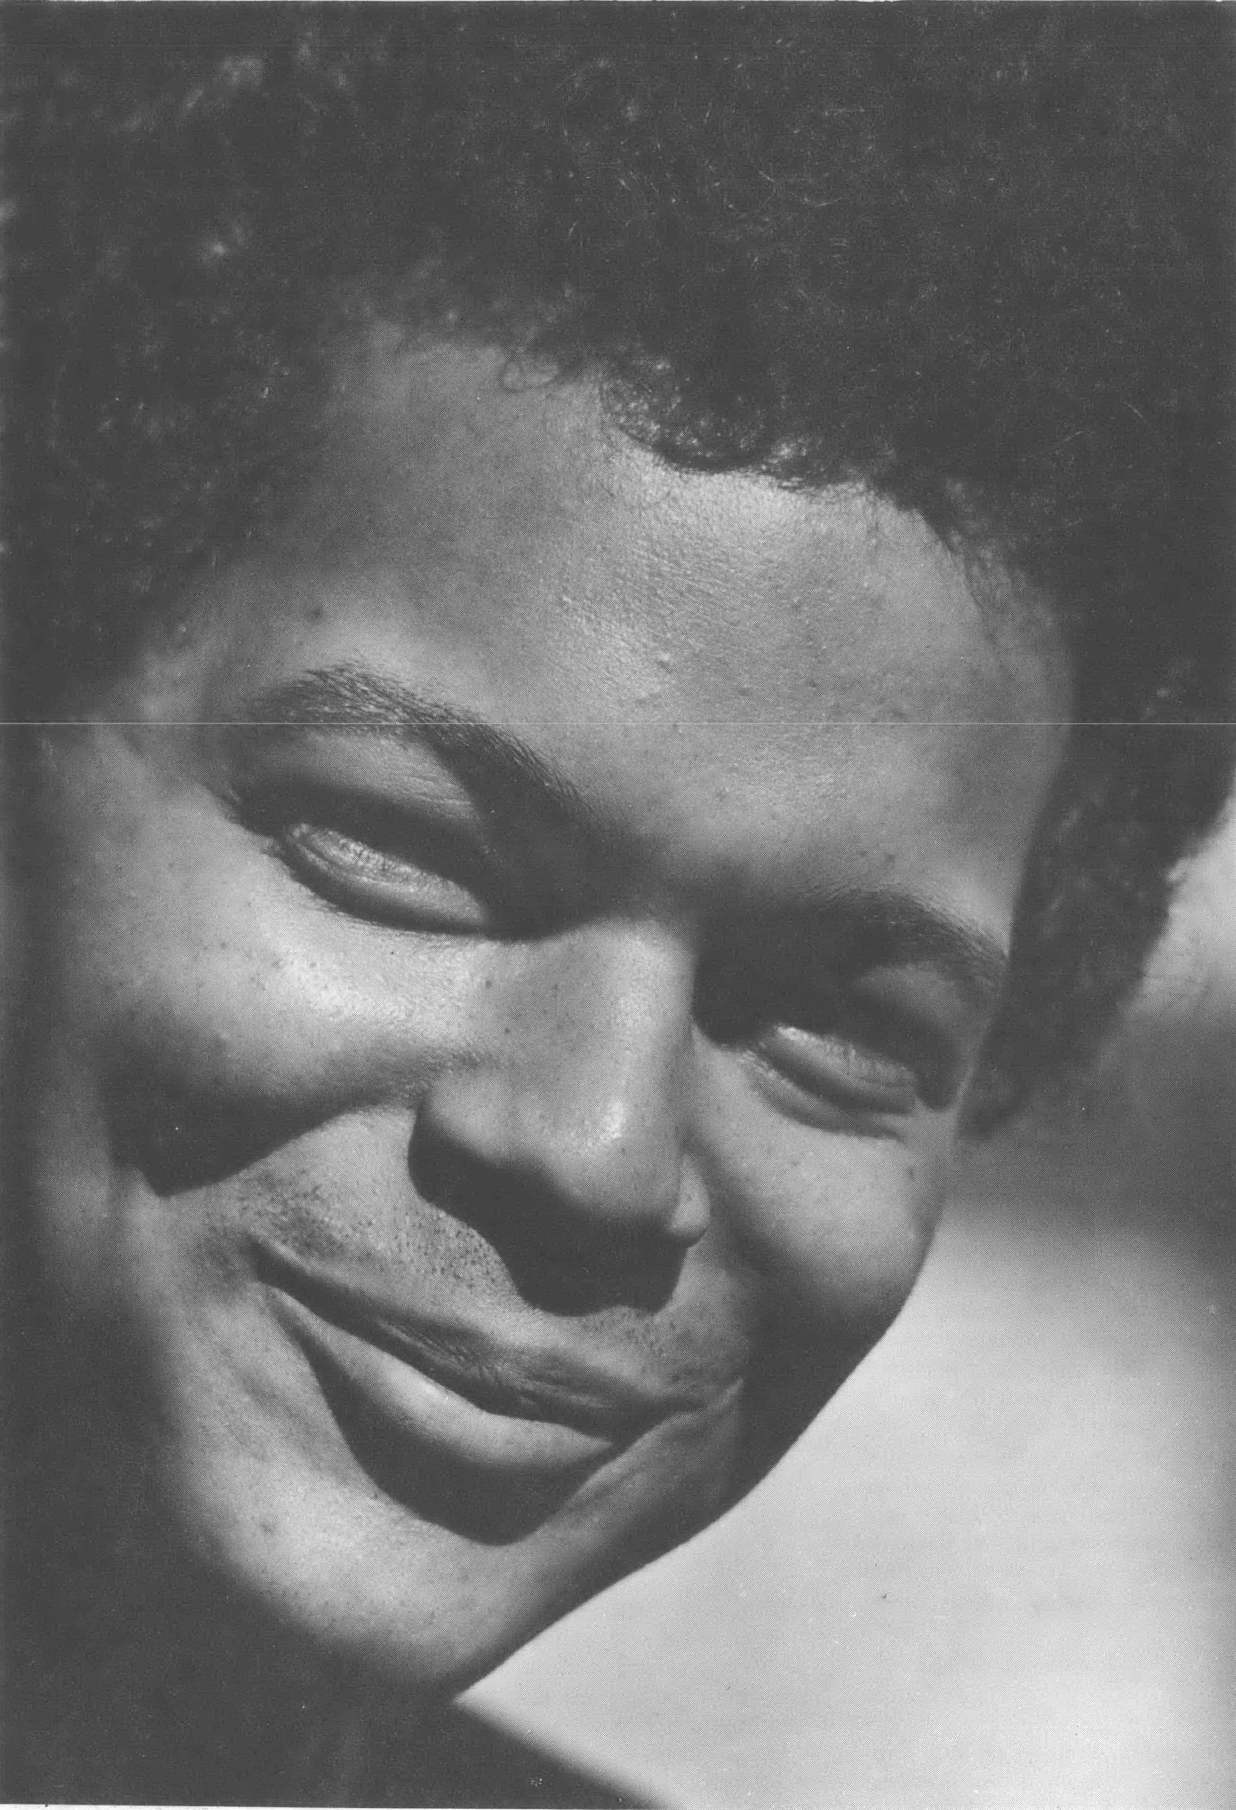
(711,655)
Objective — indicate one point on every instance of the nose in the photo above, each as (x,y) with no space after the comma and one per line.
(573,1107)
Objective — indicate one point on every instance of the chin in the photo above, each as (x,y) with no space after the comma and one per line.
(347,1571)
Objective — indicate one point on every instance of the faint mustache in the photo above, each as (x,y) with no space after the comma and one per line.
(534,1381)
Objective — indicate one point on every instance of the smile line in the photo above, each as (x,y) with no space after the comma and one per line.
(491,1383)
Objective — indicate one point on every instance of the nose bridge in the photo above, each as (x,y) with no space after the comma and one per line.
(606,1038)
(581,1095)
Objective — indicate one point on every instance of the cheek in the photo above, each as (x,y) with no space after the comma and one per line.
(202,1013)
(181,949)
(837,1228)
(839,1224)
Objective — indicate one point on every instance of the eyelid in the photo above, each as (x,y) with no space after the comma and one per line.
(369,883)
(427,868)
(807,1049)
(411,781)
(836,1071)
(422,813)
(825,1037)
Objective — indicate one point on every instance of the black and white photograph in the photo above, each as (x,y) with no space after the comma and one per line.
(618,1005)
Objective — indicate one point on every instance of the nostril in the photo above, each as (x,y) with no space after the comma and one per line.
(560,1260)
(565,1277)
(446,1176)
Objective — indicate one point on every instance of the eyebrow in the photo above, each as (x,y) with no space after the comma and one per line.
(494,762)
(869,928)
(876,929)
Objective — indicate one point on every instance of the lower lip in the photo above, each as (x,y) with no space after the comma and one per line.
(432,1421)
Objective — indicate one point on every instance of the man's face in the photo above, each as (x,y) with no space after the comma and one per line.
(513,966)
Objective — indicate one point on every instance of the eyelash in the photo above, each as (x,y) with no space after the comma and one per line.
(839,1068)
(368,881)
(376,862)
(821,1044)
(817,1054)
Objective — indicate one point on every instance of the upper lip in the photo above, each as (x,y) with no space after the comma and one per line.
(530,1382)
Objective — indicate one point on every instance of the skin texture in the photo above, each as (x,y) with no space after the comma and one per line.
(611,1080)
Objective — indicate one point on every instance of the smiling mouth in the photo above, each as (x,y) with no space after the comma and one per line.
(436,1412)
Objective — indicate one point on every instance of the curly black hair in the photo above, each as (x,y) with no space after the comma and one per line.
(975,258)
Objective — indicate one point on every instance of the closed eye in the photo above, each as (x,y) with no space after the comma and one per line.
(377,883)
(824,1048)
(397,867)
(832,1066)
